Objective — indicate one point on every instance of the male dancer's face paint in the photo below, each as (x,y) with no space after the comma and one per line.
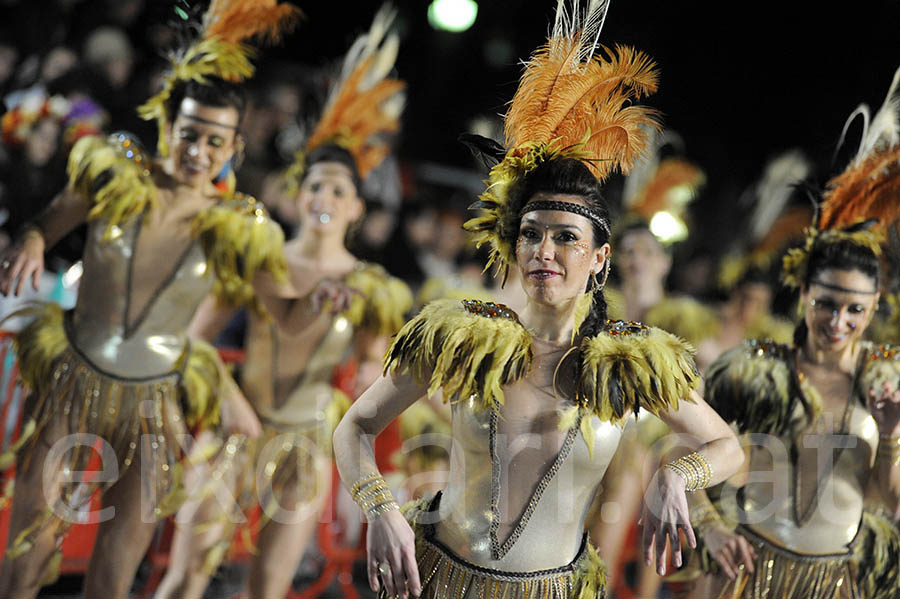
(328,199)
(201,140)
(839,304)
(555,252)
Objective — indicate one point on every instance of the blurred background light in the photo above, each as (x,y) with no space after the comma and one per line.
(452,15)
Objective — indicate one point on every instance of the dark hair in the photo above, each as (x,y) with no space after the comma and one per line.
(635,225)
(215,92)
(334,153)
(570,176)
(837,255)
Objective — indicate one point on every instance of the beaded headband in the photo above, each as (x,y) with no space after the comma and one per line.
(567,207)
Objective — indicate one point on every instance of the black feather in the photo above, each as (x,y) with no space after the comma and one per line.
(487,150)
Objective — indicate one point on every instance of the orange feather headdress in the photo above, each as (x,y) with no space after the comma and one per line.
(364,105)
(221,51)
(773,223)
(573,101)
(861,202)
(658,190)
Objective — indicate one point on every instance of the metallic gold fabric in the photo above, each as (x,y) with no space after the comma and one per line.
(782,574)
(444,575)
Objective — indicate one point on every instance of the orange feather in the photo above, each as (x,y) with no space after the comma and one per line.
(238,20)
(361,113)
(870,189)
(567,101)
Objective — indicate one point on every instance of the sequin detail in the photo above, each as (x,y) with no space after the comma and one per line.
(490,309)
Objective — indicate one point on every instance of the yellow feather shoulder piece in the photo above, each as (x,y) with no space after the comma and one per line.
(753,386)
(239,240)
(466,349)
(878,556)
(200,368)
(113,175)
(684,317)
(882,365)
(383,302)
(629,366)
(40,343)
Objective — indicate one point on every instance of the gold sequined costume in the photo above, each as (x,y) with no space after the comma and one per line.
(474,352)
(815,540)
(290,386)
(128,373)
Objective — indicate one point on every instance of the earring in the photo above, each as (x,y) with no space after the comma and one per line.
(602,284)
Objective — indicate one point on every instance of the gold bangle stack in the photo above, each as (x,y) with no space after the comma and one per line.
(694,469)
(889,447)
(373,496)
(704,515)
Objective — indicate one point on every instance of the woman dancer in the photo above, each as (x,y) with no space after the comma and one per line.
(334,305)
(825,410)
(536,397)
(119,368)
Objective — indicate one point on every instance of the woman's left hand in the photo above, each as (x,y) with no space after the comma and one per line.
(884,405)
(664,512)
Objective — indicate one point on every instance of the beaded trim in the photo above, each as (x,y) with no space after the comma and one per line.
(489,309)
(567,207)
(498,550)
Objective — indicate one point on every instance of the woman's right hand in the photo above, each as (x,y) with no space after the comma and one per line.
(729,549)
(391,541)
(22,260)
(333,294)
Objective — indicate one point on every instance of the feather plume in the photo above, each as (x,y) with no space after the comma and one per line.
(870,185)
(564,101)
(235,21)
(364,105)
(220,50)
(774,190)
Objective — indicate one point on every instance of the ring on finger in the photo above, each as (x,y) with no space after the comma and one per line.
(384,569)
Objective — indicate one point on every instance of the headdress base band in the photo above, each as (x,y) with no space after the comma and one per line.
(842,289)
(567,207)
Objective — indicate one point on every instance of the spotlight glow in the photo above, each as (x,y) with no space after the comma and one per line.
(452,15)
(667,227)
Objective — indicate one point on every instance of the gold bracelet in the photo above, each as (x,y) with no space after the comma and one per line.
(369,478)
(694,469)
(382,509)
(703,515)
(373,495)
(703,466)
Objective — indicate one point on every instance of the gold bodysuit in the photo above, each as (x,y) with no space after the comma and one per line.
(803,506)
(511,520)
(121,367)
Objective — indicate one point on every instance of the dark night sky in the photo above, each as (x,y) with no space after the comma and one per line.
(739,81)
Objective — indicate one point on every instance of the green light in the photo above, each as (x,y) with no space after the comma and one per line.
(452,15)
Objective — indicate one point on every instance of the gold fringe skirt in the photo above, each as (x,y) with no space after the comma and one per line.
(284,464)
(90,417)
(783,574)
(446,576)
